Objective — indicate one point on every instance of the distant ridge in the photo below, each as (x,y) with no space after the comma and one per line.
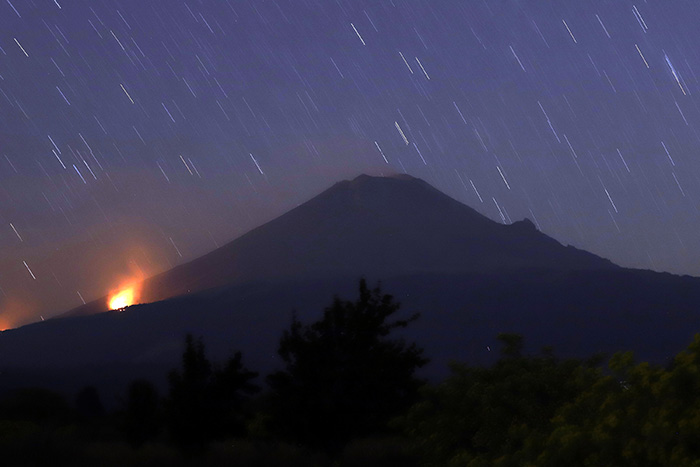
(374,226)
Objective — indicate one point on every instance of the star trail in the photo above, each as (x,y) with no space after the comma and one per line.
(137,135)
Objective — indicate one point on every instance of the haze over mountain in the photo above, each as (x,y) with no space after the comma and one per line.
(470,278)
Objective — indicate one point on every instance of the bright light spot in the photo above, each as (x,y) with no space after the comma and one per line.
(122,299)
(127,289)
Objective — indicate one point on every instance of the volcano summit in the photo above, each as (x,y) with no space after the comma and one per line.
(374,226)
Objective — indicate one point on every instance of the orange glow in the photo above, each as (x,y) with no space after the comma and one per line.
(127,290)
(122,299)
(14,312)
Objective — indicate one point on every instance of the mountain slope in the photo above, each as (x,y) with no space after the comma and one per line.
(376,226)
(469,277)
(579,313)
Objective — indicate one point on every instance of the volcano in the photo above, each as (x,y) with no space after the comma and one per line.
(372,226)
(469,277)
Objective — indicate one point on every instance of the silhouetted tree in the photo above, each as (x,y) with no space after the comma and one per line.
(641,414)
(497,416)
(344,376)
(231,387)
(189,407)
(142,419)
(205,403)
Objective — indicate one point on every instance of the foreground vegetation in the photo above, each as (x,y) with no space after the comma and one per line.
(348,395)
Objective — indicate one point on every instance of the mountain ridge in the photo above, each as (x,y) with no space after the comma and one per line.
(469,277)
(380,226)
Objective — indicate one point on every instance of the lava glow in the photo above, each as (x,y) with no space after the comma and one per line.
(127,290)
(122,299)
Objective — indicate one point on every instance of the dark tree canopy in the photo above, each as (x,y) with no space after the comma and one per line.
(344,377)
(204,403)
(496,416)
(189,408)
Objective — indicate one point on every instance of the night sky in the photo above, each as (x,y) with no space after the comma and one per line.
(136,135)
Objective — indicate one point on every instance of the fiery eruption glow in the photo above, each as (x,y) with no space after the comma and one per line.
(127,291)
(122,299)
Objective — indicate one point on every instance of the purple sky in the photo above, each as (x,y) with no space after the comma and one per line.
(136,135)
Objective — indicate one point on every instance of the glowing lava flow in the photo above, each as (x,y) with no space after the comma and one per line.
(122,299)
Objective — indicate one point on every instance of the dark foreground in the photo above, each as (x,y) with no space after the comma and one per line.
(349,395)
(525,410)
